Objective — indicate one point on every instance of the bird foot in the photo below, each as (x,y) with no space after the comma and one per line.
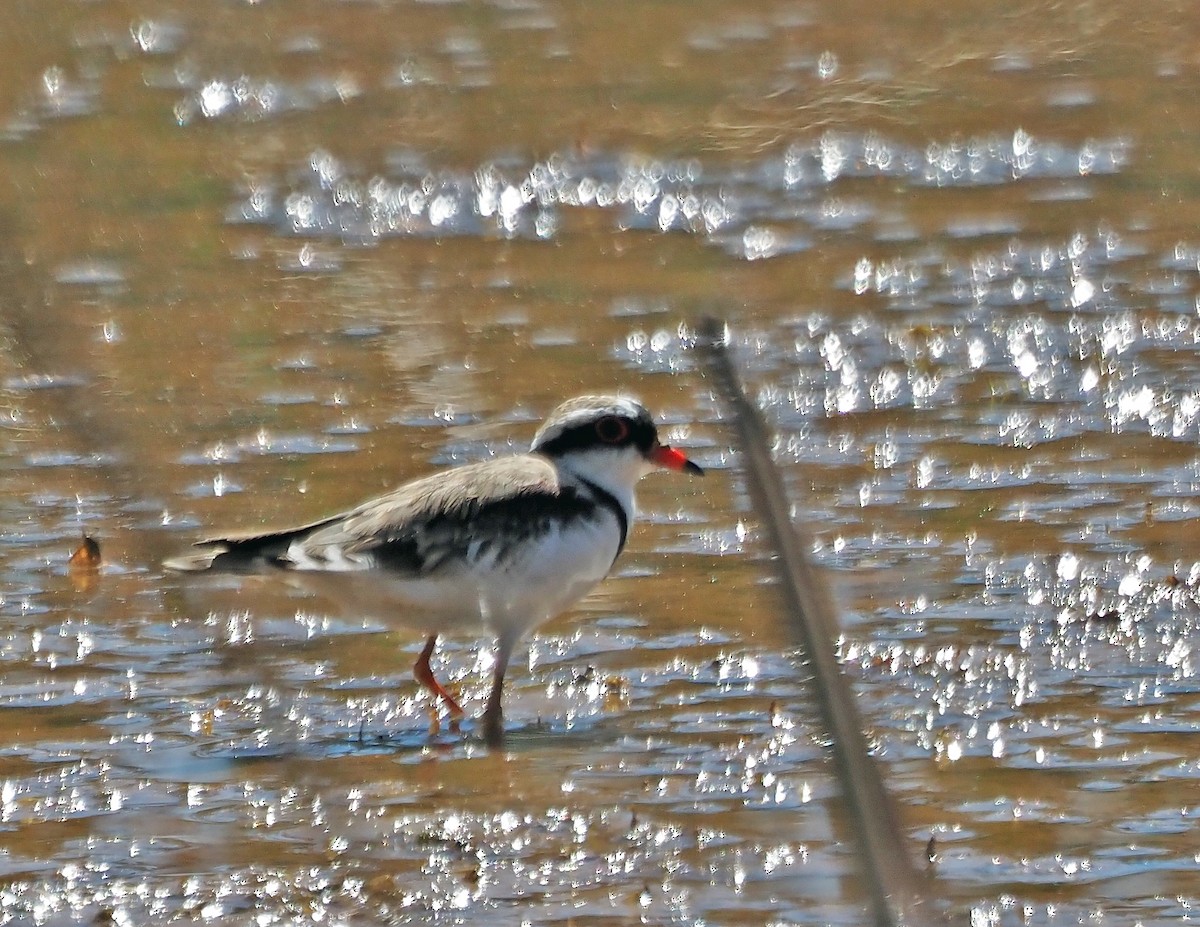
(453,722)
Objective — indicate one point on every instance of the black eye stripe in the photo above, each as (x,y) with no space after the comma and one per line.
(638,432)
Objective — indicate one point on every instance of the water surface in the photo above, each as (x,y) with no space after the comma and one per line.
(260,261)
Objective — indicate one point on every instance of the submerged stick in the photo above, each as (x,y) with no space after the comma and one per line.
(896,890)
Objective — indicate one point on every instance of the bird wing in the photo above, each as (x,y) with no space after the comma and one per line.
(440,524)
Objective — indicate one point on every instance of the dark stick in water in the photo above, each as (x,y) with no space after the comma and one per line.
(897,891)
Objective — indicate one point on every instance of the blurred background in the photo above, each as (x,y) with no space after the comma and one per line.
(261,260)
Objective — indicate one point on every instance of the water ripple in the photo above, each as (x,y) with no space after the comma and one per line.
(754,211)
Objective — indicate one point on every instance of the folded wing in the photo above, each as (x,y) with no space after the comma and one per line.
(478,514)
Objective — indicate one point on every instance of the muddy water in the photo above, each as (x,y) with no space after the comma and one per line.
(262,260)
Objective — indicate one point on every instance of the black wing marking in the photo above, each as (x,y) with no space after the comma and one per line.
(439,523)
(477,513)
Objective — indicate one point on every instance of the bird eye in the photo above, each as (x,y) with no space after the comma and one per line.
(612,430)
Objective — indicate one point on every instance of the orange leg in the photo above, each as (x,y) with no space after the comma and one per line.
(424,675)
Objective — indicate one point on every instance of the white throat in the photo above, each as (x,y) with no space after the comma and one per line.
(616,471)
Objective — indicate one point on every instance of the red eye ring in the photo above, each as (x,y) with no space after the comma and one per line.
(612,429)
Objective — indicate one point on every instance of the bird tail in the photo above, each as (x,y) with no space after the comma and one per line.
(240,553)
(196,562)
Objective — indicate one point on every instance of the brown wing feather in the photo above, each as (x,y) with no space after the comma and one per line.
(415,529)
(441,522)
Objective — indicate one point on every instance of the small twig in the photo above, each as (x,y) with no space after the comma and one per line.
(897,892)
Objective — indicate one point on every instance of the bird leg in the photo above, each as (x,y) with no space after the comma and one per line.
(493,714)
(424,675)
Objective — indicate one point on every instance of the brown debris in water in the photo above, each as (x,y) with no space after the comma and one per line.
(84,565)
(87,555)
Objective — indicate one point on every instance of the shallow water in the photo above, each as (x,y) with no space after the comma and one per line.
(259,261)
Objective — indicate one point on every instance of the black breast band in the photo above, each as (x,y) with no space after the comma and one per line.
(609,501)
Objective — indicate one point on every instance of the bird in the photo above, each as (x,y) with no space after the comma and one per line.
(504,544)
